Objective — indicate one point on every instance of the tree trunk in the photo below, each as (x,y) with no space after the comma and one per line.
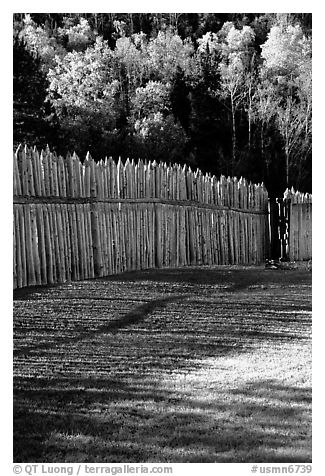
(287,165)
(233,137)
(249,131)
(265,164)
(249,116)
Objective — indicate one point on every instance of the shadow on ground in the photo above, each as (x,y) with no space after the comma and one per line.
(108,421)
(164,366)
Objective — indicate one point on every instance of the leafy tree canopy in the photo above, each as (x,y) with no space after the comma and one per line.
(229,93)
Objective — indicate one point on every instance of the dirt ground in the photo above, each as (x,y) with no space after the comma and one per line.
(180,365)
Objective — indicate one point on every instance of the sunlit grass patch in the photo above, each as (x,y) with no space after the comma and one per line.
(217,373)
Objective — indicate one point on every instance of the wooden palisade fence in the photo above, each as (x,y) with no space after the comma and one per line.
(75,220)
(299,212)
(291,226)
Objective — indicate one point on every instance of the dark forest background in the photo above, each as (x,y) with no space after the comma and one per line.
(227,93)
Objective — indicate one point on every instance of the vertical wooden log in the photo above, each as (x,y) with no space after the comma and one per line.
(210,238)
(17,248)
(46,179)
(87,175)
(66,223)
(72,242)
(304,230)
(117,239)
(110,265)
(86,240)
(25,171)
(15,180)
(78,241)
(163,243)
(56,245)
(30,172)
(301,232)
(135,234)
(99,180)
(59,165)
(62,177)
(77,175)
(22,163)
(55,180)
(18,245)
(148,228)
(223,225)
(105,179)
(29,248)
(110,212)
(157,179)
(309,231)
(140,179)
(77,179)
(81,241)
(34,241)
(204,230)
(129,165)
(117,242)
(95,233)
(51,160)
(38,172)
(41,242)
(140,235)
(112,178)
(89,241)
(130,237)
(189,235)
(93,182)
(16,177)
(41,173)
(61,241)
(184,237)
(153,234)
(292,231)
(137,237)
(22,227)
(48,171)
(71,176)
(82,179)
(15,274)
(146,235)
(48,244)
(216,238)
(103,238)
(119,178)
(231,237)
(126,234)
(122,224)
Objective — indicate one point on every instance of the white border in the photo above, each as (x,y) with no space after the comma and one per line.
(318,11)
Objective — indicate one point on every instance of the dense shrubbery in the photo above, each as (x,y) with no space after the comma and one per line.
(230,94)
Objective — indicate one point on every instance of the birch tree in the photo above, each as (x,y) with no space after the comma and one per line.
(236,56)
(287,72)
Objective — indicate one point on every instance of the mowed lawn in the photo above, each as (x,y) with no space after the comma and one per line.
(181,365)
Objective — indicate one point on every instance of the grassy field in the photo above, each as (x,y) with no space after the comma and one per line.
(182,365)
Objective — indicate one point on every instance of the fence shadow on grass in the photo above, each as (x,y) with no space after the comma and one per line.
(230,278)
(99,420)
(119,370)
(132,318)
